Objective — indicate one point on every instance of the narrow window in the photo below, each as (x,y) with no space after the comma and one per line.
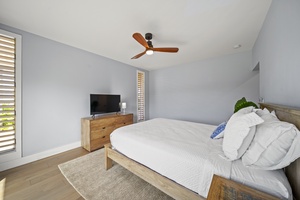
(10,110)
(140,96)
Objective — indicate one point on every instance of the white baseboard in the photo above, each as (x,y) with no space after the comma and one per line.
(38,156)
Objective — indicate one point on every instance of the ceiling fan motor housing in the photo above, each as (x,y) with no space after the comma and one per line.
(148,36)
(149,43)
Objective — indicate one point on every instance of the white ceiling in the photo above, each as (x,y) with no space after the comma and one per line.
(201,29)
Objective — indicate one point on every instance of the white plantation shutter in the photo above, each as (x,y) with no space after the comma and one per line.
(140,96)
(7,94)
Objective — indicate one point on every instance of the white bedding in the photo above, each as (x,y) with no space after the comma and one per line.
(181,151)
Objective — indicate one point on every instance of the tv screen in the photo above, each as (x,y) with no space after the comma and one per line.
(104,103)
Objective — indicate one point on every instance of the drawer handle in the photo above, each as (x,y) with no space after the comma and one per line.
(103,137)
(103,128)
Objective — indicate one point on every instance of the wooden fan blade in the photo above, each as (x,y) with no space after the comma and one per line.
(138,37)
(167,49)
(138,55)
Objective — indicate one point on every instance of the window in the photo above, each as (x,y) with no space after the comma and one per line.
(140,96)
(10,110)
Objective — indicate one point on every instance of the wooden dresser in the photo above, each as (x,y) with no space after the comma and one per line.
(95,132)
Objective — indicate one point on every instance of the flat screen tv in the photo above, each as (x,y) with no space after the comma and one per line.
(104,103)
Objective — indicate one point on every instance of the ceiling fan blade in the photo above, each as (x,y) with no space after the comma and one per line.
(167,49)
(138,37)
(138,55)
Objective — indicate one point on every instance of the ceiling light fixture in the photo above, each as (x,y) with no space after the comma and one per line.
(237,46)
(149,52)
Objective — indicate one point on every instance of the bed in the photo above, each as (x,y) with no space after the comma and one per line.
(192,189)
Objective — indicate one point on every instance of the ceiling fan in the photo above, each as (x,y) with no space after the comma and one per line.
(148,45)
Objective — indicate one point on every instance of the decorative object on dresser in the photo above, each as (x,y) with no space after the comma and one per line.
(123,107)
(95,131)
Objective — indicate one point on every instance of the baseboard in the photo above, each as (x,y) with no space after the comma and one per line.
(38,156)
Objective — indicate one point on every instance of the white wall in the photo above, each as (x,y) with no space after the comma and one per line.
(277,49)
(57,80)
(204,91)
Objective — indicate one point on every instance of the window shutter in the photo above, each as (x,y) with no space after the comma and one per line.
(7,94)
(140,96)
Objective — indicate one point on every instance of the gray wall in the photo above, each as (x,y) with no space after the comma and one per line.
(204,91)
(56,83)
(277,49)
(57,80)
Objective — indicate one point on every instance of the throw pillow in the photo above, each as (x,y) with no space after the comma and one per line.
(219,131)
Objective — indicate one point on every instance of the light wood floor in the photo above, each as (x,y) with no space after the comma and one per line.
(41,179)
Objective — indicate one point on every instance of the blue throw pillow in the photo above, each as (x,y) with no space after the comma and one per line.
(219,131)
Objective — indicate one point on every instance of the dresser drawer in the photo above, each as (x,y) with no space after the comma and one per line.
(124,120)
(98,143)
(101,132)
(95,132)
(97,123)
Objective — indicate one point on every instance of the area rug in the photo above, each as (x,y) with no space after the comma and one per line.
(89,178)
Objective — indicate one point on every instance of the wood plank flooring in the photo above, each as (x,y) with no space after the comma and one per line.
(41,179)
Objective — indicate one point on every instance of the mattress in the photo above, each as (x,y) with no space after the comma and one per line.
(184,152)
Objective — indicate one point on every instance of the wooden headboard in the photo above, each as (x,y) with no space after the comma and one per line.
(291,115)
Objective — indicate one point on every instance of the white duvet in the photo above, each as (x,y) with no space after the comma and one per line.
(182,151)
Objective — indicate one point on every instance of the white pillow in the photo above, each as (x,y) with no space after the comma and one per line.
(239,132)
(275,145)
(265,114)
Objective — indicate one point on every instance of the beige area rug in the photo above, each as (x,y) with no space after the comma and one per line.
(88,176)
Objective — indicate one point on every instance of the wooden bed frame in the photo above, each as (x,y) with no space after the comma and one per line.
(177,191)
(222,188)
